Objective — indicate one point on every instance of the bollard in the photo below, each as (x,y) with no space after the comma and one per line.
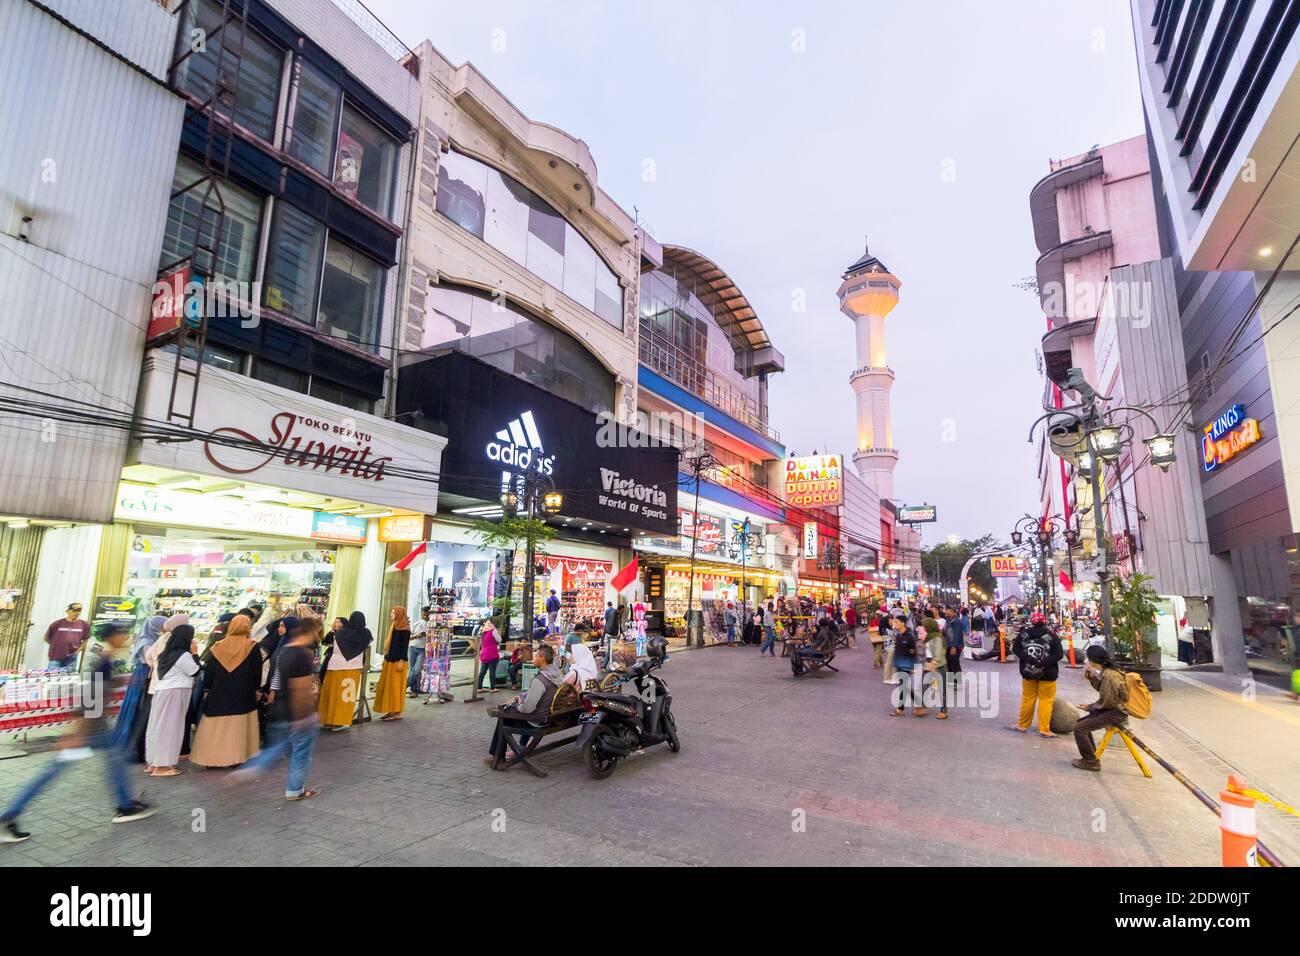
(1237,825)
(1002,644)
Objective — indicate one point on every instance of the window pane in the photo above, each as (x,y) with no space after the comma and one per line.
(293,264)
(365,164)
(258,94)
(238,249)
(579,269)
(350,296)
(315,117)
(447,319)
(609,296)
(275,374)
(506,229)
(338,395)
(462,184)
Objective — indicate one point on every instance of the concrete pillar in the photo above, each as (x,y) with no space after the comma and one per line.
(1225,634)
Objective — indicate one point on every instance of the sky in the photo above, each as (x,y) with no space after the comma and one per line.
(782,133)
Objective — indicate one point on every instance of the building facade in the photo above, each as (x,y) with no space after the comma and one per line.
(1220,86)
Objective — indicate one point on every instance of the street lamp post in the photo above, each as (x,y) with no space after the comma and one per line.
(742,542)
(700,460)
(539,497)
(1093,435)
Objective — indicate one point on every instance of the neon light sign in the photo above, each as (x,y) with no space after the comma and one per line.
(1227,437)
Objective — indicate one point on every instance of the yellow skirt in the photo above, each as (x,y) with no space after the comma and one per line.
(390,693)
(338,697)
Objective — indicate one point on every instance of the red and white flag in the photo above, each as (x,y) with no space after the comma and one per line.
(625,578)
(406,562)
(1066,583)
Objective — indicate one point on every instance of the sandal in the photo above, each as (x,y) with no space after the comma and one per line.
(305,795)
(166,772)
(1017,728)
(941,716)
(1047,736)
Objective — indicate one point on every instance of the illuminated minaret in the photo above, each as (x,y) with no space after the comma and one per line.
(867,295)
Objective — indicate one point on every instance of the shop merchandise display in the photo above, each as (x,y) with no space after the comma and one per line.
(436,679)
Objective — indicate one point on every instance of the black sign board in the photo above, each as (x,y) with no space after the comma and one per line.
(498,427)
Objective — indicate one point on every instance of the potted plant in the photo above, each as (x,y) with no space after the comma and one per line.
(1133,627)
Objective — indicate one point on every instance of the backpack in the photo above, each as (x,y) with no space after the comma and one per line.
(905,644)
(1139,701)
(1036,650)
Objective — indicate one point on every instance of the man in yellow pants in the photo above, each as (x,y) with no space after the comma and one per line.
(1038,652)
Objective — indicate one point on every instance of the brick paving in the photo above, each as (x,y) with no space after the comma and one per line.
(758,748)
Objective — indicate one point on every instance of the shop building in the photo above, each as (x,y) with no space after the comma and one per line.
(77,263)
(1220,87)
(1109,298)
(704,363)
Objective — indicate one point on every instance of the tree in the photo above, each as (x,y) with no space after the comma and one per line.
(512,533)
(943,562)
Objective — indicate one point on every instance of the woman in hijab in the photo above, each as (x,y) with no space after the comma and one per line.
(342,684)
(582,665)
(227,734)
(133,716)
(390,694)
(176,668)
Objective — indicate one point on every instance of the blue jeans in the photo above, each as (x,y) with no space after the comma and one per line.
(67,663)
(116,777)
(299,739)
(770,643)
(415,657)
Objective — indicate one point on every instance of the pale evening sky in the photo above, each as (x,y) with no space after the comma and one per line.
(921,124)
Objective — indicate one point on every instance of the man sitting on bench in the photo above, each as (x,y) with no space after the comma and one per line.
(821,648)
(537,702)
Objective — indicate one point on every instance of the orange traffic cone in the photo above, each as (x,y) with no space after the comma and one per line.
(1237,825)
(1002,644)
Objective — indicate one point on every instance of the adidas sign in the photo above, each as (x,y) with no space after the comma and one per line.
(519,446)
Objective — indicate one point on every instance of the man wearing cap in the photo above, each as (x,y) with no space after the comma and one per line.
(65,637)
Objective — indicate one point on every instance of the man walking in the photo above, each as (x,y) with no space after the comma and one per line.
(65,637)
(552,613)
(769,632)
(91,732)
(293,715)
(417,651)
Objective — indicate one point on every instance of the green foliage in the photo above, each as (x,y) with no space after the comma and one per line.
(1133,616)
(514,532)
(943,562)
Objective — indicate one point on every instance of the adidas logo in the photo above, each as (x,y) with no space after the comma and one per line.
(519,447)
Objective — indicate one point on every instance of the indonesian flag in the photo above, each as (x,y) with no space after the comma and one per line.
(1066,583)
(406,562)
(625,578)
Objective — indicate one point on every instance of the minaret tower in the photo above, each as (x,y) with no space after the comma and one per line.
(867,295)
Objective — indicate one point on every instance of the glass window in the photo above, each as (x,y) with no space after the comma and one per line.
(462,185)
(338,395)
(258,95)
(366,160)
(293,264)
(350,296)
(214,355)
(315,118)
(515,341)
(275,374)
(517,222)
(238,248)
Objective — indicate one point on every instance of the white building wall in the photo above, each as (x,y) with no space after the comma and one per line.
(90,170)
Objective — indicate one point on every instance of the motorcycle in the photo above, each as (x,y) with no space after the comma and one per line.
(618,724)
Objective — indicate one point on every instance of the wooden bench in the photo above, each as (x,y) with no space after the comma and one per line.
(808,661)
(512,725)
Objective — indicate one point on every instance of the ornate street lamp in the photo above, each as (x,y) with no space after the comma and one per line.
(1162,449)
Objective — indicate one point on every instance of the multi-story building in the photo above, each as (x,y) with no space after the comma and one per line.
(1220,85)
(704,362)
(518,345)
(261,466)
(1107,292)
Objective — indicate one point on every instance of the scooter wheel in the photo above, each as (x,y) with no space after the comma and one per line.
(600,762)
(670,728)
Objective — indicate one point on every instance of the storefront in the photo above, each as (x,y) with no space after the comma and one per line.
(505,435)
(279,506)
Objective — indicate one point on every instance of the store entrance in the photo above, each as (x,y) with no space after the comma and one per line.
(205,574)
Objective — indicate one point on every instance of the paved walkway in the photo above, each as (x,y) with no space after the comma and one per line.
(773,770)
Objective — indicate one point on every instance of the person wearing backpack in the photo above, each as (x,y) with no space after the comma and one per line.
(1108,710)
(1038,652)
(905,654)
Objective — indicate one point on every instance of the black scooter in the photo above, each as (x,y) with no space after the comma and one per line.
(617,724)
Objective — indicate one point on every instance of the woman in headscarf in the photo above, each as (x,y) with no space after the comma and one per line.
(582,664)
(227,734)
(342,684)
(168,716)
(390,694)
(133,716)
